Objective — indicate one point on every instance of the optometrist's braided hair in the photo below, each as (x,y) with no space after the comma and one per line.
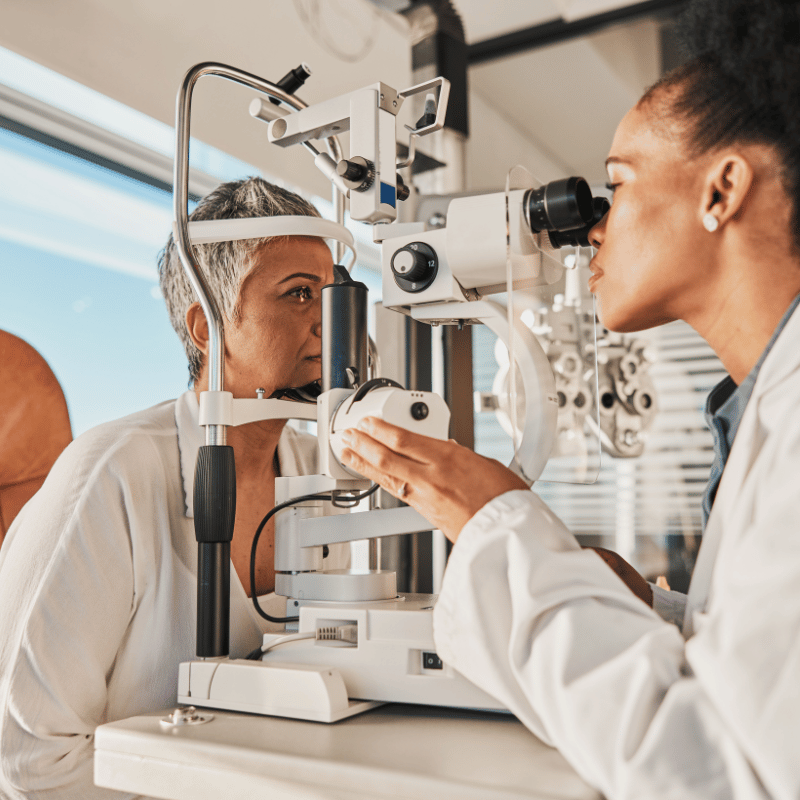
(741,84)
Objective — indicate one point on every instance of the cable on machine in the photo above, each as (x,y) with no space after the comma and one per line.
(339,499)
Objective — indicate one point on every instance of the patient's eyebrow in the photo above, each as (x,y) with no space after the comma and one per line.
(307,275)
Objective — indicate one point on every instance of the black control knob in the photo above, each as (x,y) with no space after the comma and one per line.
(419,411)
(357,173)
(409,264)
(350,171)
(292,81)
(415,266)
(402,190)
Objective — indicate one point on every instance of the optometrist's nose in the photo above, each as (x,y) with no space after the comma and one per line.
(598,233)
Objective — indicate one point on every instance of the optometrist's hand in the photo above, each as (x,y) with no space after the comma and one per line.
(447,483)
(630,577)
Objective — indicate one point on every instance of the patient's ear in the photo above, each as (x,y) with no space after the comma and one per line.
(197,326)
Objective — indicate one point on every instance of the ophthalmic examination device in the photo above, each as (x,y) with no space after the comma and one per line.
(351,641)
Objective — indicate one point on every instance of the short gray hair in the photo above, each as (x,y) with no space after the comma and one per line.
(224,264)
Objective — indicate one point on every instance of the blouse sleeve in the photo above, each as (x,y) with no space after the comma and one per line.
(66,600)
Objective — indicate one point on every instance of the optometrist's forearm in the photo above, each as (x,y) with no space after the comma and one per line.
(549,630)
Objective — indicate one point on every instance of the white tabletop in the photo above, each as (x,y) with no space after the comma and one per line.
(395,751)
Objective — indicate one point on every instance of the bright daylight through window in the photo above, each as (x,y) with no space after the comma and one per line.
(80,232)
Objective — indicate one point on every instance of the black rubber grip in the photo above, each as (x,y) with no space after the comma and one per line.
(213,599)
(214,494)
(214,517)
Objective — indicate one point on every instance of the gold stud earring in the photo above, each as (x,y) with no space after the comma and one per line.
(710,222)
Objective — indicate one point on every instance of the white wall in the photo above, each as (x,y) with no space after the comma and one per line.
(496,144)
(569,97)
(137,51)
(632,52)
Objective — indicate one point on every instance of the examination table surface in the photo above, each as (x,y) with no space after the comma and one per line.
(394,751)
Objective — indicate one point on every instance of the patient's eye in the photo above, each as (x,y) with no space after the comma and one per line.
(302,293)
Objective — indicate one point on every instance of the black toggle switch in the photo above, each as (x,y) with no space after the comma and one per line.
(431,661)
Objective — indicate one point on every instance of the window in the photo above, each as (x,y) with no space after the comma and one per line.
(85,207)
(78,247)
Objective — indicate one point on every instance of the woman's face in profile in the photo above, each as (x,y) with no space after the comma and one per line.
(274,341)
(651,262)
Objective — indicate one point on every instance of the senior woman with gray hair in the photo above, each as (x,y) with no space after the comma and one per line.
(98,572)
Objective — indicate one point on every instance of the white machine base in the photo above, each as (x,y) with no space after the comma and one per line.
(316,694)
(393,661)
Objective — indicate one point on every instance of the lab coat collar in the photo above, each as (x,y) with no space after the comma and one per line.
(784,356)
(781,361)
(191,436)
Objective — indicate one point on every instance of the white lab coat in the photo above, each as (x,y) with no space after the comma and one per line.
(639,710)
(98,595)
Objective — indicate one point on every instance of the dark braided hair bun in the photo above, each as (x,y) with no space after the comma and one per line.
(757,43)
(742,84)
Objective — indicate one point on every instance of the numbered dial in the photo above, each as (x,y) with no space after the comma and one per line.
(415,267)
(358,174)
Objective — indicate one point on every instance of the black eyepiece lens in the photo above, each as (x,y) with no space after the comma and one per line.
(579,237)
(561,205)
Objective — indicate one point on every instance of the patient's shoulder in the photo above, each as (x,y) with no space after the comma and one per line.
(138,445)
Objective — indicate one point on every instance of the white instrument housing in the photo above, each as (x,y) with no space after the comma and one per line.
(424,413)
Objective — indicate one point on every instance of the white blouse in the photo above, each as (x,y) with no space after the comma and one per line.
(98,594)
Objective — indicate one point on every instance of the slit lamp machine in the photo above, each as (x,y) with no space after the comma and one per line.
(352,642)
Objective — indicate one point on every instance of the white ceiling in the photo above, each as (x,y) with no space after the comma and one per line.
(563,101)
(485,20)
